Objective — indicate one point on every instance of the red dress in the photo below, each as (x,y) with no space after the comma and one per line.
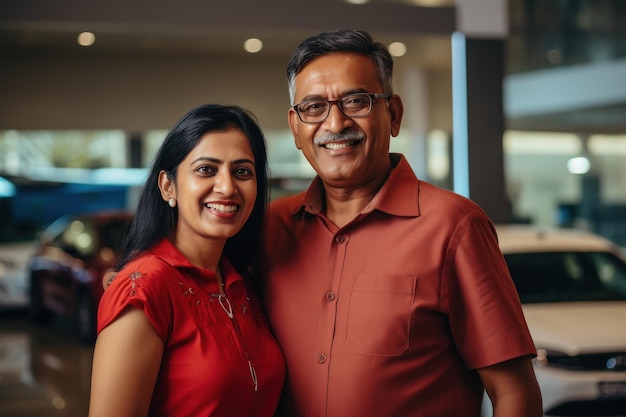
(213,364)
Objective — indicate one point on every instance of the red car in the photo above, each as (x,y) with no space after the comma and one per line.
(66,271)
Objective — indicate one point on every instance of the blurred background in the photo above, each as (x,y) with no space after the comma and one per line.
(517,104)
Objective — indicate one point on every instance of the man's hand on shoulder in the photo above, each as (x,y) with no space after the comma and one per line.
(108,278)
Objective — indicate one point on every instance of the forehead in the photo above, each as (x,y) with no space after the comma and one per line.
(337,73)
(225,144)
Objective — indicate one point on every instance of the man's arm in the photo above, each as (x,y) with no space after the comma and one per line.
(512,388)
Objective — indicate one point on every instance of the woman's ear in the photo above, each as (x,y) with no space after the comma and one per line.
(166,185)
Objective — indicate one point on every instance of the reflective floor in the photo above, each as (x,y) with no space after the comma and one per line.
(44,371)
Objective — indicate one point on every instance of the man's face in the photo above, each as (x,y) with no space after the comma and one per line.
(361,157)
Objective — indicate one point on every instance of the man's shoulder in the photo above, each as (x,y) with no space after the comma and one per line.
(445,201)
(286,205)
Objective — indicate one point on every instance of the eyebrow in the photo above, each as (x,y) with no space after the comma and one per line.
(345,93)
(219,161)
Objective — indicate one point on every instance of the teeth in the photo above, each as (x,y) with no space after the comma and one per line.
(222,207)
(338,145)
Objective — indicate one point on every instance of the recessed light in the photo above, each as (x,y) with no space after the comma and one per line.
(253,45)
(397,49)
(86,39)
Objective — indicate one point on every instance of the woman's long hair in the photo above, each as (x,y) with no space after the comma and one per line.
(154,219)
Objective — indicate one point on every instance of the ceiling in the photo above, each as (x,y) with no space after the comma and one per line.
(222,26)
(200,25)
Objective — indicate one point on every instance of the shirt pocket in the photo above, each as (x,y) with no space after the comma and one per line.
(379,314)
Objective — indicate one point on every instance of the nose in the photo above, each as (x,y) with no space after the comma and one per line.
(224,183)
(337,121)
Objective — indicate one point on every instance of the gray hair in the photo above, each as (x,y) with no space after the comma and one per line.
(350,41)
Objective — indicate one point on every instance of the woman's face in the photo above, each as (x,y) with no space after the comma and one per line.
(215,187)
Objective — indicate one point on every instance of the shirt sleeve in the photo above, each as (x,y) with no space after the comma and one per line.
(142,285)
(486,318)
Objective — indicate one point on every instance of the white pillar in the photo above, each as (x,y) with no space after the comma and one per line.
(414,92)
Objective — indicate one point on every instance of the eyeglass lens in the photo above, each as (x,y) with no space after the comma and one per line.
(352,105)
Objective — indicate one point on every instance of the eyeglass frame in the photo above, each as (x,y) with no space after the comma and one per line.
(371,96)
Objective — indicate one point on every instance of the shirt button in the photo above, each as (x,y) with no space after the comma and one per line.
(339,239)
(321,358)
(330,296)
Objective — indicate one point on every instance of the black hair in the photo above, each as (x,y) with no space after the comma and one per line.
(350,41)
(154,219)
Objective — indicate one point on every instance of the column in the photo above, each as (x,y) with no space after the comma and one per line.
(478,57)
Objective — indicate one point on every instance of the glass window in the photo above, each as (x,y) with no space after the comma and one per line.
(568,276)
(545,190)
(46,154)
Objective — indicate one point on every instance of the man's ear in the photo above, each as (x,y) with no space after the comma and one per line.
(396,110)
(292,119)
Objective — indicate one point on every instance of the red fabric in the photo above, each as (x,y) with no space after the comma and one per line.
(392,314)
(204,370)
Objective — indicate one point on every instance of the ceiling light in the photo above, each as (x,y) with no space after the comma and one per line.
(432,3)
(86,39)
(397,49)
(578,165)
(253,45)
(357,1)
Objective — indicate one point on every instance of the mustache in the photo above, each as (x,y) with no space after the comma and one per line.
(329,137)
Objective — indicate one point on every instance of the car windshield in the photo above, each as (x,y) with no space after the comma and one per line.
(568,276)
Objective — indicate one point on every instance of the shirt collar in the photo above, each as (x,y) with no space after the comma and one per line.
(166,251)
(401,182)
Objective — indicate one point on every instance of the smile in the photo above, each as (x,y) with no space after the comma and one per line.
(338,145)
(224,208)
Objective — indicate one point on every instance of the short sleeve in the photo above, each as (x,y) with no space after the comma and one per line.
(486,317)
(142,284)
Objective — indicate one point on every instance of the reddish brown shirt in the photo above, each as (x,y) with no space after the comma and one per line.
(392,314)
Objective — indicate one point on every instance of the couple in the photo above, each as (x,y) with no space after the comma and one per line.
(386,295)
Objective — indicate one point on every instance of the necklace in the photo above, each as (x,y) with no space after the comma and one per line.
(221,297)
(228,309)
(225,304)
(220,278)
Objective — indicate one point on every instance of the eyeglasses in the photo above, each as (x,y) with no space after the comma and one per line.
(351,105)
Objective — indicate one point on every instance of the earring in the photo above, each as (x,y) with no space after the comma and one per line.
(172,203)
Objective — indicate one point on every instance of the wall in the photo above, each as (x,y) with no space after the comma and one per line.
(133,91)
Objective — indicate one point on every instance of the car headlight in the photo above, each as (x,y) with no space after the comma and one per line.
(605,361)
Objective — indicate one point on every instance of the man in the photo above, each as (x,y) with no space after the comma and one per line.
(388,296)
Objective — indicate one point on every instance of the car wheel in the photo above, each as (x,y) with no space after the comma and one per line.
(85,318)
(36,310)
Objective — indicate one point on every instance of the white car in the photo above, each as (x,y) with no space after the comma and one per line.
(572,285)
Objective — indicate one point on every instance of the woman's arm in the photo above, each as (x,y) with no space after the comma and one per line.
(126,363)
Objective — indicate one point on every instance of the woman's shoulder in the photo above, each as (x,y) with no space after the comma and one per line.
(148,262)
(146,270)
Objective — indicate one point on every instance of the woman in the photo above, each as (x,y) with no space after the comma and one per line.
(181,332)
